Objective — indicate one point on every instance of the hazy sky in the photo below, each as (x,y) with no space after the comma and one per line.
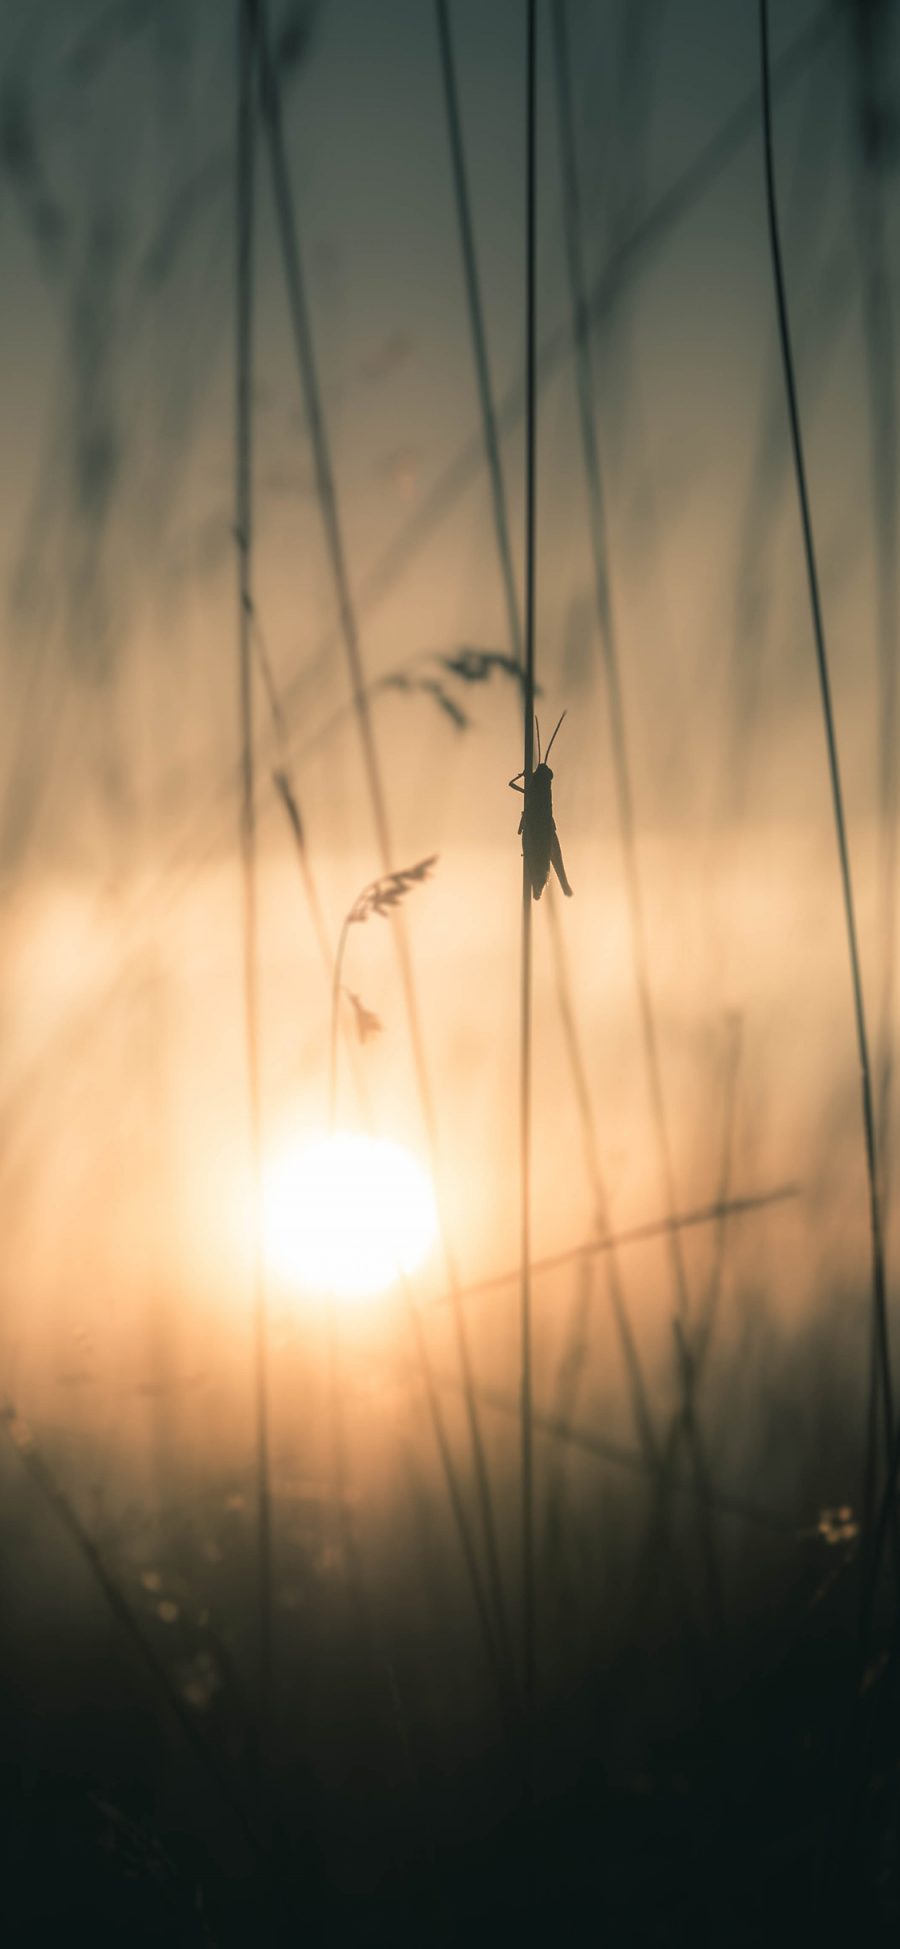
(117,349)
(120,735)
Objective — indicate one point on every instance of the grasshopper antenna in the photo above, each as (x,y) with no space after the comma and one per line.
(550,745)
(538,733)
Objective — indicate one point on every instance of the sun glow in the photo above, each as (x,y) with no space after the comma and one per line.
(346,1214)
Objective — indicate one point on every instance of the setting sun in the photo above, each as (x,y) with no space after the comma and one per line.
(347,1214)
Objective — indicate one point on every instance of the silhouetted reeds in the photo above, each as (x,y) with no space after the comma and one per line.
(879,1295)
(621,766)
(868,33)
(388,1744)
(289,245)
(22,1440)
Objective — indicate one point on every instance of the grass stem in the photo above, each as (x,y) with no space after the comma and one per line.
(879,1296)
(528,1591)
(244,217)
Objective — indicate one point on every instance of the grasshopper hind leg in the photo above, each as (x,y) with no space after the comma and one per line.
(556,860)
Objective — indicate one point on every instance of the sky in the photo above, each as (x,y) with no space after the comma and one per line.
(125,1082)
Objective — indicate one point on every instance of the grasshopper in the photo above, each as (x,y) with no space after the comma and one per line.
(540,839)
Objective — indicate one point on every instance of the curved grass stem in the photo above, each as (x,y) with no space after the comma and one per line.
(879,1295)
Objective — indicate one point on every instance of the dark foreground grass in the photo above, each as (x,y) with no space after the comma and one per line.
(684,1791)
(709,1831)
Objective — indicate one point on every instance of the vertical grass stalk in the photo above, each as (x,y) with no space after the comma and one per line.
(621,770)
(499,1668)
(244,221)
(879,331)
(528,1617)
(289,243)
(54,1496)
(879,1297)
(491,442)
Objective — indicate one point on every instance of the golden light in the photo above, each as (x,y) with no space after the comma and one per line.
(346,1214)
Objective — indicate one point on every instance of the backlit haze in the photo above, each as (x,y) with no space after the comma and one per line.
(262,1470)
(125,1073)
(133,1286)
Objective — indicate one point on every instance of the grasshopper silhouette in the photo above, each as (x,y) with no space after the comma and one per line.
(540,840)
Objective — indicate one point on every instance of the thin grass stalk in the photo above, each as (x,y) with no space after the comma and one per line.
(333,968)
(879,1297)
(497,1665)
(706,1325)
(490,435)
(632,1460)
(493,461)
(619,749)
(63,1509)
(244,219)
(878,327)
(336,974)
(703,1336)
(641,1234)
(528,1590)
(343,1524)
(288,234)
(634,1372)
(817,335)
(603,600)
(569,1376)
(285,788)
(284,785)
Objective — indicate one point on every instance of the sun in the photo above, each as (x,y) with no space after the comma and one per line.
(346,1215)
